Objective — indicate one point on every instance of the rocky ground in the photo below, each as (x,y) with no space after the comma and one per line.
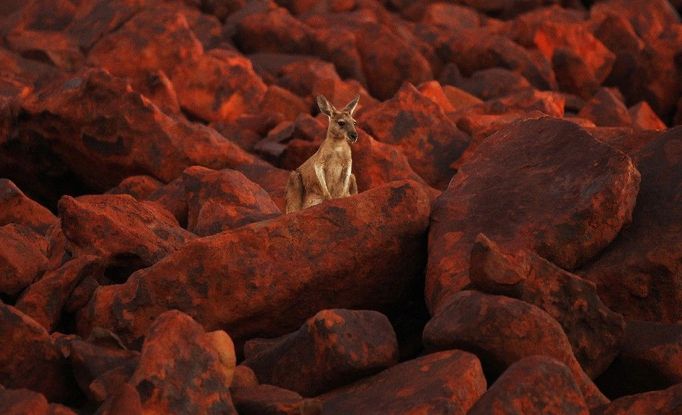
(516,246)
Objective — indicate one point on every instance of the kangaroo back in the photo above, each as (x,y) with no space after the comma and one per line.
(295,192)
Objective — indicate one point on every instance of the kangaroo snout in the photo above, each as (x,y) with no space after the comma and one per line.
(353,136)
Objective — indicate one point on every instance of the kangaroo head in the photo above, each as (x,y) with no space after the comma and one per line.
(341,123)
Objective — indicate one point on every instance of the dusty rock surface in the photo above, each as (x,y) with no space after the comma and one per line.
(145,149)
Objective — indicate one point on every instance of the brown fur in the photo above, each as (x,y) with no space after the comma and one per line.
(327,173)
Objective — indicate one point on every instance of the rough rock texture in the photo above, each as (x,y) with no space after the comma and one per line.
(638,275)
(594,331)
(332,348)
(450,381)
(96,122)
(24,402)
(421,129)
(139,187)
(376,237)
(29,358)
(207,201)
(22,258)
(125,233)
(650,359)
(16,207)
(43,301)
(668,401)
(183,369)
(533,385)
(544,185)
(271,400)
(606,109)
(502,331)
(218,86)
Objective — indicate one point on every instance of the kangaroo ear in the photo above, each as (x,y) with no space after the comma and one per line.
(325,107)
(350,108)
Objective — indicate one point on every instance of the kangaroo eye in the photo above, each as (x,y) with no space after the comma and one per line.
(341,123)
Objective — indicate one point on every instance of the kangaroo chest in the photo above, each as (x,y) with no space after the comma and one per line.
(336,165)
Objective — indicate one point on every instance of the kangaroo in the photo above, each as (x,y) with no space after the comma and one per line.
(327,173)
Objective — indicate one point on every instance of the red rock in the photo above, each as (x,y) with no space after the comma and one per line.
(29,358)
(651,403)
(55,48)
(606,109)
(522,28)
(434,91)
(390,220)
(124,233)
(244,377)
(313,6)
(653,74)
(581,62)
(160,90)
(22,258)
(503,331)
(43,301)
(644,118)
(533,385)
(208,201)
(273,30)
(109,383)
(617,34)
(625,139)
(271,400)
(445,382)
(594,332)
(451,16)
(286,103)
(125,401)
(19,75)
(637,274)
(139,187)
(16,207)
(547,102)
(218,86)
(221,8)
(429,139)
(649,18)
(136,138)
(338,45)
(493,83)
(650,359)
(96,18)
(90,361)
(183,369)
(477,49)
(152,40)
(460,99)
(480,126)
(566,218)
(389,61)
(332,348)
(24,402)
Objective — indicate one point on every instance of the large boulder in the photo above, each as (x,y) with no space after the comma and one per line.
(16,207)
(650,359)
(95,122)
(30,359)
(125,233)
(332,348)
(416,124)
(534,385)
(45,299)
(446,382)
(183,369)
(544,185)
(207,201)
(502,331)
(266,279)
(594,331)
(638,275)
(651,403)
(22,258)
(24,401)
